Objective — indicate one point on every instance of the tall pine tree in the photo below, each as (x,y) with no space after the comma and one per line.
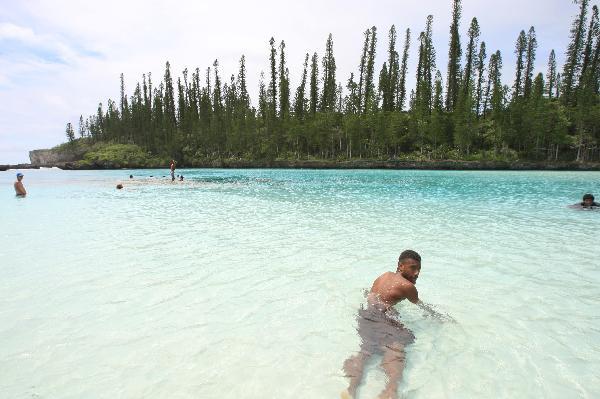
(573,56)
(454,55)
(551,75)
(314,89)
(403,69)
(520,50)
(328,95)
(530,61)
(284,84)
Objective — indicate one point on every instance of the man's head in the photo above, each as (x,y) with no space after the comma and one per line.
(588,200)
(19,176)
(409,265)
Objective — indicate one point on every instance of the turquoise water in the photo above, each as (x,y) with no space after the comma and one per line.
(246,283)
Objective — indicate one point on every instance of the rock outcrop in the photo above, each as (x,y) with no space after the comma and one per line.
(51,157)
(4,168)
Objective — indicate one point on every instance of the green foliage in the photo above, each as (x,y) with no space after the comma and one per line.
(120,155)
(78,146)
(70,132)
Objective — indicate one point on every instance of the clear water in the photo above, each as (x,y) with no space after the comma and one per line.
(246,283)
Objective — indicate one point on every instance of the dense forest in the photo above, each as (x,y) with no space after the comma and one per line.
(468,114)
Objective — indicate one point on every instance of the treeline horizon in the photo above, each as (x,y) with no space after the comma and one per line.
(470,114)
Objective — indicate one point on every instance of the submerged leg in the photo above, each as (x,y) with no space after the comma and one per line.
(354,367)
(393,365)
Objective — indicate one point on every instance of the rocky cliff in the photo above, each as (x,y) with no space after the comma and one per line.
(53,157)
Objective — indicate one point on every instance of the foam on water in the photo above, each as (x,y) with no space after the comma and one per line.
(246,283)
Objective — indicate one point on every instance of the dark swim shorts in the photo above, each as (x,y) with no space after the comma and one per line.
(379,331)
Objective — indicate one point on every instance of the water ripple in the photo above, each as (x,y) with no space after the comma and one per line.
(221,285)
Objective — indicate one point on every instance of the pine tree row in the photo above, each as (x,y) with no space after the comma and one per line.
(471,115)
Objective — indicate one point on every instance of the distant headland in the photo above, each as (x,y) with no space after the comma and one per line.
(471,119)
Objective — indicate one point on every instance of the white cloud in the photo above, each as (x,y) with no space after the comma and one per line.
(12,31)
(24,43)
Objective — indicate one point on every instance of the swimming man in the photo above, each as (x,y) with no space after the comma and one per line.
(588,202)
(19,188)
(379,328)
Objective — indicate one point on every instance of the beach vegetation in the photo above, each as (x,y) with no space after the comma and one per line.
(474,115)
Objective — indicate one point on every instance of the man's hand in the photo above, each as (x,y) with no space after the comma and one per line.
(430,311)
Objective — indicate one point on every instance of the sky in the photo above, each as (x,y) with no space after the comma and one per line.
(60,58)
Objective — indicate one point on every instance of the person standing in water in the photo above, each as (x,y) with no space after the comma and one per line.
(172,167)
(19,188)
(379,327)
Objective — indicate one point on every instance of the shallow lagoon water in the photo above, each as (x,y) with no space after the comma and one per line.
(246,283)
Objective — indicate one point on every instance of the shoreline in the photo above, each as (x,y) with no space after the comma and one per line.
(324,164)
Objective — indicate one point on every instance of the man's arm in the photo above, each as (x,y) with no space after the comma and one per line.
(434,313)
(411,293)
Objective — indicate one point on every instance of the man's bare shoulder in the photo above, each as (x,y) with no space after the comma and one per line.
(403,283)
(393,278)
(391,287)
(402,287)
(387,275)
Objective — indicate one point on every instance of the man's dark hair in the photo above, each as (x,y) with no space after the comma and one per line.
(409,254)
(588,196)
